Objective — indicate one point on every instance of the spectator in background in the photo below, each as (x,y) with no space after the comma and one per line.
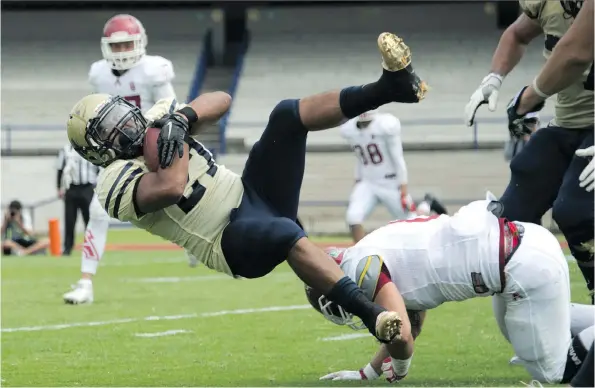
(17,233)
(76,182)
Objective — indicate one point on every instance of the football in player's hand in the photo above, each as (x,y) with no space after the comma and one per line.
(150,149)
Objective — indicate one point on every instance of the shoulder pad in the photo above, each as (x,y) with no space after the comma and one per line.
(95,70)
(367,274)
(532,8)
(159,70)
(390,125)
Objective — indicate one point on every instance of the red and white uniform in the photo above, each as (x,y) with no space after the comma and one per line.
(142,80)
(380,168)
(143,85)
(433,260)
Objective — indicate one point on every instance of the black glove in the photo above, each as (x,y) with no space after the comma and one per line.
(519,125)
(174,129)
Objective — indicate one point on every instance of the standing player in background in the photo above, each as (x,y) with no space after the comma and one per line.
(547,173)
(141,79)
(381,171)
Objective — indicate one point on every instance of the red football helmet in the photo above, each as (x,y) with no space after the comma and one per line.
(124,41)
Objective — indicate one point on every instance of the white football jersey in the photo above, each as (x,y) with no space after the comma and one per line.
(378,148)
(432,260)
(143,85)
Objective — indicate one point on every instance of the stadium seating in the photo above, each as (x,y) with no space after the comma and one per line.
(297,52)
(44,75)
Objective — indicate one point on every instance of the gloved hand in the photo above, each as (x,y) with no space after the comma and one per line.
(174,129)
(519,125)
(587,177)
(407,203)
(486,93)
(366,373)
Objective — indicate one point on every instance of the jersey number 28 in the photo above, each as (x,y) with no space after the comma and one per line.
(371,154)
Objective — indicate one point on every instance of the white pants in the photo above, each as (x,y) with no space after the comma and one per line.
(533,311)
(366,195)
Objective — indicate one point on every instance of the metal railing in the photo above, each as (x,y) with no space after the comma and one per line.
(310,220)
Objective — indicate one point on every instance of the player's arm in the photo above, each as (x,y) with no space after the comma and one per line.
(374,279)
(209,108)
(163,188)
(572,55)
(395,148)
(513,43)
(128,192)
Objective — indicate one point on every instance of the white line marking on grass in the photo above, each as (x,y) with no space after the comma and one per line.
(346,337)
(157,318)
(161,333)
(178,279)
(203,278)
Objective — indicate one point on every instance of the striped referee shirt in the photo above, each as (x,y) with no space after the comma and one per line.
(83,172)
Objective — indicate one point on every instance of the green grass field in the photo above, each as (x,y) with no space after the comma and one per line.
(223,332)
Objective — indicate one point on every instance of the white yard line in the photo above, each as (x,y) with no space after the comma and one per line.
(157,318)
(203,278)
(346,337)
(161,333)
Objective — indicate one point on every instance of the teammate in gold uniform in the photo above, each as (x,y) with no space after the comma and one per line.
(240,225)
(547,172)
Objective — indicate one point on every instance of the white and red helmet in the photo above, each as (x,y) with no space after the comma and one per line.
(123,29)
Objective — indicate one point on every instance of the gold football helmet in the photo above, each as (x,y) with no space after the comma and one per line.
(104,128)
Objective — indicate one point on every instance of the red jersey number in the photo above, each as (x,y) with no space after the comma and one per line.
(371,154)
(133,99)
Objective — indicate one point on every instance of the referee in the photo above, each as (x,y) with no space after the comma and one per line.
(76,181)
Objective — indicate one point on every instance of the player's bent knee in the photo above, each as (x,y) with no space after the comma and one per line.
(254,247)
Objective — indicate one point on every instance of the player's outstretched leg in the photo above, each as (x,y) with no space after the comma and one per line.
(398,83)
(93,248)
(275,169)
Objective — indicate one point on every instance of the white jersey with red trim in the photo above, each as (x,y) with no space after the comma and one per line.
(378,148)
(143,85)
(432,260)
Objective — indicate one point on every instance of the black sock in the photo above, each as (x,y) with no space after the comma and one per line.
(584,377)
(577,353)
(355,100)
(347,294)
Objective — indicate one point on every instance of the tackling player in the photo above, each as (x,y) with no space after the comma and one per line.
(411,266)
(381,171)
(548,172)
(239,225)
(125,70)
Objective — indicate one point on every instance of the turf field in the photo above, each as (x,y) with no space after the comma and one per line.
(157,322)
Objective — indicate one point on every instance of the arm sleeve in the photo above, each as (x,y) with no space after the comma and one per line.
(383,279)
(60,163)
(532,8)
(395,148)
(116,190)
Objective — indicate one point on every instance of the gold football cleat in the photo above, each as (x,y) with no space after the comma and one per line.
(388,326)
(396,56)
